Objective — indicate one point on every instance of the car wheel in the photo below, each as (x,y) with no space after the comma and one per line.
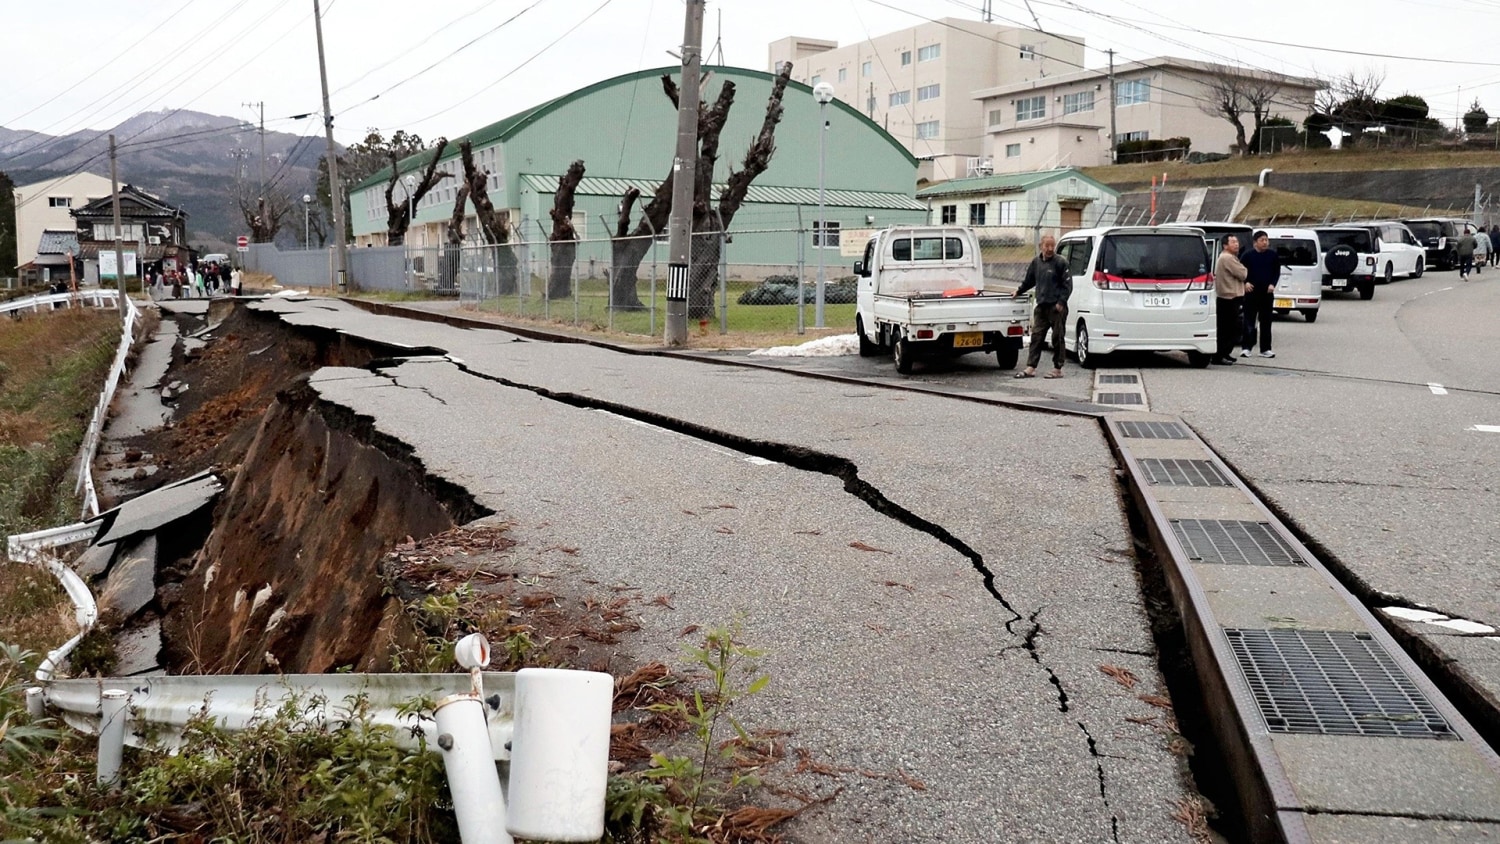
(1198,360)
(867,349)
(1007,355)
(1415,273)
(1367,291)
(903,356)
(1390,271)
(1310,315)
(1086,358)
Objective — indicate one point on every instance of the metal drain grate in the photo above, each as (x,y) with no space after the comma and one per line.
(1153,430)
(1119,398)
(1183,472)
(1234,543)
(1333,682)
(1119,379)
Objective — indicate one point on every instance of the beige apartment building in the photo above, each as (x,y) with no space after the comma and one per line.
(920,83)
(1064,120)
(47,206)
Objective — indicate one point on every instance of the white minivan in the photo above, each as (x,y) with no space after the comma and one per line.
(1301,286)
(1139,288)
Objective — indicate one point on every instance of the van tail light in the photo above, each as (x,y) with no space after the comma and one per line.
(1202,282)
(1104,281)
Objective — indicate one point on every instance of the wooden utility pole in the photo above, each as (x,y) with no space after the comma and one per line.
(335,190)
(684,177)
(114,186)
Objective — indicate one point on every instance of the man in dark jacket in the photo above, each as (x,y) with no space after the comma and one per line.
(1262,271)
(1048,273)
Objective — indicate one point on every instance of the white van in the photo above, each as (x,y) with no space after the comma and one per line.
(1139,288)
(1301,286)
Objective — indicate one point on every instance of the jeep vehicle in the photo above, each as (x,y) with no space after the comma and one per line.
(1349,257)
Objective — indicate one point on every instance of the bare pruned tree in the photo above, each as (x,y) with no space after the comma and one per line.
(264,214)
(494,226)
(1352,99)
(398,213)
(1235,94)
(564,237)
(449,275)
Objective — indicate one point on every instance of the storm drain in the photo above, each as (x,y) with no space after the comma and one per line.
(1119,398)
(1183,472)
(1153,430)
(1332,682)
(1119,379)
(1241,543)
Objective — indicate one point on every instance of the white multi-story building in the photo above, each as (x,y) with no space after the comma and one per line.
(47,206)
(1064,120)
(919,83)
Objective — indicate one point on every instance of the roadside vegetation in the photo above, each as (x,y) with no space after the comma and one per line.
(1293,161)
(1269,205)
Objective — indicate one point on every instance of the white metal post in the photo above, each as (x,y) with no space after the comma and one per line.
(468,760)
(559,763)
(112,717)
(36,706)
(823,93)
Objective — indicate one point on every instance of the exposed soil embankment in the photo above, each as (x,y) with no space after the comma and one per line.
(288,578)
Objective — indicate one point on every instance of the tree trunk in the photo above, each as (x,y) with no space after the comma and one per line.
(448,272)
(398,217)
(493,225)
(564,239)
(703,274)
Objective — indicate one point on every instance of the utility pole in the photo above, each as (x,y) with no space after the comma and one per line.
(1113,142)
(684,178)
(335,190)
(262,107)
(114,186)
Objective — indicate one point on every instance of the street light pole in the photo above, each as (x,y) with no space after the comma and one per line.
(306,221)
(823,93)
(411,218)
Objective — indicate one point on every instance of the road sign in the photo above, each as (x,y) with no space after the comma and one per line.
(242,244)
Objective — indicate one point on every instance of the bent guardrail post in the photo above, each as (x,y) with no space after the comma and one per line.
(559,758)
(36,706)
(113,713)
(468,756)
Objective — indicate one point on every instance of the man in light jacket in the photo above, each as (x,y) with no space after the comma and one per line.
(1229,292)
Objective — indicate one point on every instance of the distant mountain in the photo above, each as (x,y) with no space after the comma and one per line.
(188,158)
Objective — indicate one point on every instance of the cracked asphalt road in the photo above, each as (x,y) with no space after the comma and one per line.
(852,532)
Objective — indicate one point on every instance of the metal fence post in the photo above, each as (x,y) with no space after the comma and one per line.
(801,267)
(112,717)
(468,761)
(723,276)
(653,276)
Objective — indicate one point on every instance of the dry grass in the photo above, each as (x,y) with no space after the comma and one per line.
(35,612)
(1268,205)
(1333,161)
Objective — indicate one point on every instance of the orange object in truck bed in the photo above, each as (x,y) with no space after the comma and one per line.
(959,291)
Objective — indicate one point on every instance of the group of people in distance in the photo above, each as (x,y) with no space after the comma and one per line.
(195,280)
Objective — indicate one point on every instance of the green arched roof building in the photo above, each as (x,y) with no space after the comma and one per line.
(625,129)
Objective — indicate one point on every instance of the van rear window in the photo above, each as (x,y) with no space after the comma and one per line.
(1426,230)
(1357,239)
(1296,253)
(1154,256)
(927,248)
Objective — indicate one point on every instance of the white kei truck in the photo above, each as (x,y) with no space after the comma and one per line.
(921,294)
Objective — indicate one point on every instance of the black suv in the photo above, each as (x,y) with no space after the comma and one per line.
(1439,236)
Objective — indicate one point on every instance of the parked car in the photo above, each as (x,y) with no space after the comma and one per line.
(1139,288)
(1301,286)
(1350,255)
(1401,254)
(1217,233)
(1439,236)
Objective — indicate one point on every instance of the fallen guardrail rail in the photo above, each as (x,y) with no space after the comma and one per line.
(90,447)
(99,297)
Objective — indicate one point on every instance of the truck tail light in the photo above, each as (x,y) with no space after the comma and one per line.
(924,333)
(1015,331)
(1104,281)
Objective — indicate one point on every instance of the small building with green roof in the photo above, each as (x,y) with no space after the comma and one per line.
(625,130)
(1023,204)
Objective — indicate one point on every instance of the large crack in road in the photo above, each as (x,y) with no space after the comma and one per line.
(812,460)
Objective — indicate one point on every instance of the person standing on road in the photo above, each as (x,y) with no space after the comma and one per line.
(1466,246)
(1229,293)
(1494,244)
(1262,271)
(1048,273)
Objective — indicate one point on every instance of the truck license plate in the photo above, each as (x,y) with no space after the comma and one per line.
(968,340)
(1282,303)
(1158,301)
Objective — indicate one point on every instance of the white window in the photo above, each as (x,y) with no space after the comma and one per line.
(997,116)
(905,57)
(826,236)
(929,53)
(60,202)
(900,98)
(843,74)
(929,92)
(1081,101)
(815,81)
(950,215)
(1028,52)
(1007,215)
(1031,108)
(1133,91)
(1132,136)
(866,69)
(927,130)
(1012,150)
(976,213)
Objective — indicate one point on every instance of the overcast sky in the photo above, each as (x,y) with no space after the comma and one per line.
(100,62)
